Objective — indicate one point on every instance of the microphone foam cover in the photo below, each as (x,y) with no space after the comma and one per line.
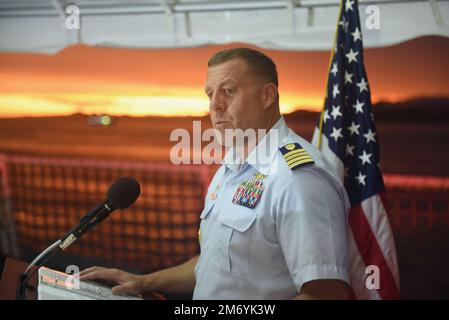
(123,192)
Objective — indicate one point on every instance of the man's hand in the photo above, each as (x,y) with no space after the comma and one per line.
(174,280)
(125,283)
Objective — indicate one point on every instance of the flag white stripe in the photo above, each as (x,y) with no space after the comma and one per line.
(377,218)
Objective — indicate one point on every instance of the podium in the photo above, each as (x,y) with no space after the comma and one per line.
(56,285)
(9,281)
(51,284)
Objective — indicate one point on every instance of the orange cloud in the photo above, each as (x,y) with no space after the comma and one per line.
(169,81)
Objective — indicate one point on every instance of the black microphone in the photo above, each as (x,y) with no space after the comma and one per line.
(120,195)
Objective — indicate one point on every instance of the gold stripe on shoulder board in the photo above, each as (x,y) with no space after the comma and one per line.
(295,155)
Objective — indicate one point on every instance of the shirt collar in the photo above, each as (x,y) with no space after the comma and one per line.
(232,161)
(261,158)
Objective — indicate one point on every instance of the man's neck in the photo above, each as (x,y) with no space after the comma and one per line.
(249,147)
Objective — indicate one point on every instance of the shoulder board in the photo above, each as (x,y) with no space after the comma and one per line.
(295,155)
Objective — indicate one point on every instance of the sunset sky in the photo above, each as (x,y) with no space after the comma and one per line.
(169,82)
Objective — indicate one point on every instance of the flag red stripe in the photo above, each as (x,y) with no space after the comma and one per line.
(352,295)
(371,252)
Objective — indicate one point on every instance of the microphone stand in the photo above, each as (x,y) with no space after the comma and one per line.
(24,277)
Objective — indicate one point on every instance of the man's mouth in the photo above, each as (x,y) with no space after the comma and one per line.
(220,122)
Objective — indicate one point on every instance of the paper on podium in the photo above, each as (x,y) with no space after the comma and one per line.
(56,285)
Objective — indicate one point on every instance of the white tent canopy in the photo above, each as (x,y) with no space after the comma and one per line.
(40,25)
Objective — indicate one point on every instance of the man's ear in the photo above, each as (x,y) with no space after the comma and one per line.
(269,94)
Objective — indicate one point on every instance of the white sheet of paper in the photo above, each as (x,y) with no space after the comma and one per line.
(56,285)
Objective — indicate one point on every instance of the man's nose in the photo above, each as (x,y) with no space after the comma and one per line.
(217,102)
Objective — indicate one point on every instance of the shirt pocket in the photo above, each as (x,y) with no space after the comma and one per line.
(234,241)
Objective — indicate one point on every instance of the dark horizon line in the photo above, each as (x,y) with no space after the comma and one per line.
(382,103)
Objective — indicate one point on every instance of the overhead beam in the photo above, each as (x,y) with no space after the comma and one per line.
(107,8)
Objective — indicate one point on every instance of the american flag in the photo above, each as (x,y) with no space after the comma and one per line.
(346,135)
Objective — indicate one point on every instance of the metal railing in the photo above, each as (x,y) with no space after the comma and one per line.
(41,198)
(418,202)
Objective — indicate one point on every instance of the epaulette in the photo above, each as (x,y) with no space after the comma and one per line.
(295,155)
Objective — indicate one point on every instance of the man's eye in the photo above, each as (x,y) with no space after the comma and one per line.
(229,91)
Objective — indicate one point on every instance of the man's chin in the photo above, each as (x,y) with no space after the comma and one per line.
(223,127)
(220,134)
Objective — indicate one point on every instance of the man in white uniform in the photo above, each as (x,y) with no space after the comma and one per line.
(272,229)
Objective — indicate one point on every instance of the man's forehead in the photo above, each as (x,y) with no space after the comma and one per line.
(229,71)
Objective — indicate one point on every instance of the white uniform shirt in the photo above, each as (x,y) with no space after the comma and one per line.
(295,233)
